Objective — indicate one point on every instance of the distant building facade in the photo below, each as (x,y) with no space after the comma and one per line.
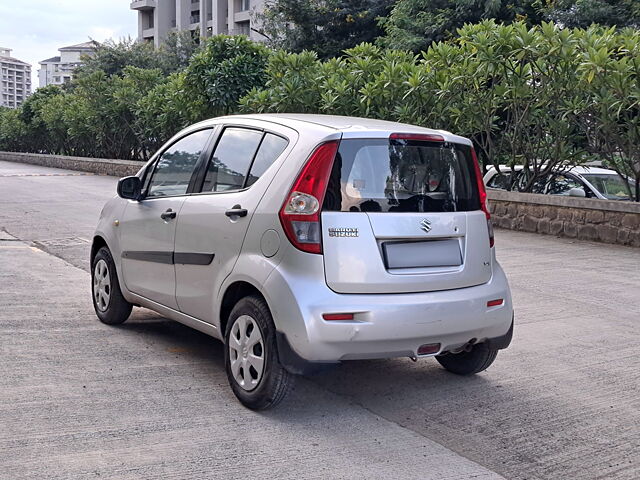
(59,70)
(15,80)
(156,18)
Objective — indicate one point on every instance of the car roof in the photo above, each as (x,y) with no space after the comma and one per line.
(580,170)
(355,126)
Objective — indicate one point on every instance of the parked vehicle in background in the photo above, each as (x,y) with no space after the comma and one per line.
(589,182)
(302,241)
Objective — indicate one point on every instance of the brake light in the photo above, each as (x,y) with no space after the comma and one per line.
(483,196)
(418,137)
(300,213)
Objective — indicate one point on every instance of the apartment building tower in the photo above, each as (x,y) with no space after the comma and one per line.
(156,18)
(15,80)
(59,70)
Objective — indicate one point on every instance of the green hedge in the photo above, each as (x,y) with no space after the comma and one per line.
(542,97)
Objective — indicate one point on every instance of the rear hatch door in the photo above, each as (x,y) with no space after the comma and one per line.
(404,216)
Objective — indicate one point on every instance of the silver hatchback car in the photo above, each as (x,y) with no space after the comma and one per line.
(302,241)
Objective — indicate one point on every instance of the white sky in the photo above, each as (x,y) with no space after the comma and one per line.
(35,29)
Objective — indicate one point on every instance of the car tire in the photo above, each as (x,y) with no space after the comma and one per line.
(108,302)
(251,356)
(479,358)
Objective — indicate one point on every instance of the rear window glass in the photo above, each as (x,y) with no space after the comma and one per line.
(402,176)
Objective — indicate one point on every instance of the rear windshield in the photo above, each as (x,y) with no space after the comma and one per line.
(372,175)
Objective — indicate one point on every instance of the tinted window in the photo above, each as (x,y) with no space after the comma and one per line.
(402,176)
(231,159)
(270,149)
(561,185)
(499,181)
(174,168)
(609,185)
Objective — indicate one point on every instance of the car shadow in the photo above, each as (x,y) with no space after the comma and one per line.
(391,383)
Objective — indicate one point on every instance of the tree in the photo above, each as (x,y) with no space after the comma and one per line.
(327,27)
(416,24)
(583,13)
(222,72)
(610,74)
(113,57)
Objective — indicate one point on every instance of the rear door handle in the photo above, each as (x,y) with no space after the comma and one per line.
(168,215)
(236,211)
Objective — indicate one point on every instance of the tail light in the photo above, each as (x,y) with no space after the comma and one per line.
(300,213)
(417,137)
(483,196)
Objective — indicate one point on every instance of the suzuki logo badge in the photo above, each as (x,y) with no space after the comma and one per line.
(425,225)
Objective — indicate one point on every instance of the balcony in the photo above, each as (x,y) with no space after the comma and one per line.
(143,4)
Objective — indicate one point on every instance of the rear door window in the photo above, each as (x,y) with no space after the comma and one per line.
(271,148)
(379,175)
(231,159)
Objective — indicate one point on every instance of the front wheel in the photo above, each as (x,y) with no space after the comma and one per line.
(251,357)
(479,358)
(108,302)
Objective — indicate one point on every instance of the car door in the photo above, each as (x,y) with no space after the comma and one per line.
(148,226)
(212,225)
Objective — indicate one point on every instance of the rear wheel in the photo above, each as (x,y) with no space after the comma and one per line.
(251,357)
(108,302)
(479,358)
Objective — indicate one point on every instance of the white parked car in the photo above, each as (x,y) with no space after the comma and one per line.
(302,241)
(591,182)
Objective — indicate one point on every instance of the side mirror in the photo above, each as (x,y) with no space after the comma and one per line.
(577,192)
(129,188)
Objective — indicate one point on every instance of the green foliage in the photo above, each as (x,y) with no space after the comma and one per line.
(113,57)
(224,70)
(583,13)
(325,26)
(542,97)
(416,24)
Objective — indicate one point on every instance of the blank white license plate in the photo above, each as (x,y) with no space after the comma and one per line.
(432,253)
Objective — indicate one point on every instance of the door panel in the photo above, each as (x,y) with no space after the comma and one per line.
(147,243)
(148,228)
(207,229)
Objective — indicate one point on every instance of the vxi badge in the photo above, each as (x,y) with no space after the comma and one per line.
(343,232)
(425,225)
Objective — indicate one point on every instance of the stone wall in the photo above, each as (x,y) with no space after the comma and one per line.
(605,221)
(101,166)
(583,218)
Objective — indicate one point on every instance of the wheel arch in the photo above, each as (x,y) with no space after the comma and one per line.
(97,244)
(234,293)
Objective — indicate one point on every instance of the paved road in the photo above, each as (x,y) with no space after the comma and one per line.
(150,400)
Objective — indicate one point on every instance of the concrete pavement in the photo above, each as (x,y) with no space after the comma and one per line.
(150,399)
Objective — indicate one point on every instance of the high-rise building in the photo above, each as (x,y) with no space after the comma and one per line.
(15,80)
(156,18)
(59,70)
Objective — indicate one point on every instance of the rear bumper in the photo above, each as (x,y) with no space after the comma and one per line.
(384,326)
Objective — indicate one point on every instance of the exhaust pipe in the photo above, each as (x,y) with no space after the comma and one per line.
(466,347)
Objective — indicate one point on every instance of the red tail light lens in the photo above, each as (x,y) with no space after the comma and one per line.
(300,213)
(483,196)
(418,137)
(337,316)
(495,303)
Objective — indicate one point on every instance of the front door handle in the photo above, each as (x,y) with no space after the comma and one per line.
(236,211)
(168,215)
